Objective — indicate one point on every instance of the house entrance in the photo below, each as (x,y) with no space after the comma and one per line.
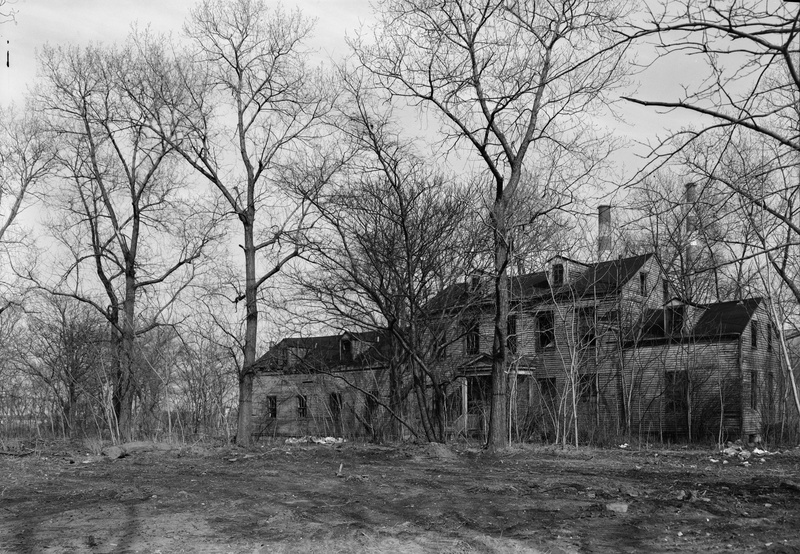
(479,398)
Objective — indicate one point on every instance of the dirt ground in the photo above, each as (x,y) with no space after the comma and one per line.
(422,498)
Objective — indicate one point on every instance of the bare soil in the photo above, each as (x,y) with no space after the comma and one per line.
(295,498)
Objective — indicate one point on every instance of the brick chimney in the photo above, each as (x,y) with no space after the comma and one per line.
(603,232)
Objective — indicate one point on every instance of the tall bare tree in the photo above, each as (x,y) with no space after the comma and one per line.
(745,99)
(132,235)
(507,78)
(395,233)
(245,103)
(26,158)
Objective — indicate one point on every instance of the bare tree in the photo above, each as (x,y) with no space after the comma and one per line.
(26,158)
(747,95)
(395,234)
(245,103)
(124,219)
(506,77)
(62,345)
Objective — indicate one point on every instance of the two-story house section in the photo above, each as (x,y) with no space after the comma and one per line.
(564,340)
(700,371)
(322,385)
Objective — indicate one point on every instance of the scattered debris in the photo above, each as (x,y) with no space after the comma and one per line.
(618,507)
(315,440)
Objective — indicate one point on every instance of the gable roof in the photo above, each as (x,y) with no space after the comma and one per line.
(599,279)
(323,352)
(726,318)
(717,321)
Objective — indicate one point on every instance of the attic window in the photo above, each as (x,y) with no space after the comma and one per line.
(643,283)
(754,335)
(558,275)
(674,320)
(347,350)
(665,290)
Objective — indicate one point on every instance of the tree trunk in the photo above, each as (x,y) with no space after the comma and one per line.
(498,418)
(245,415)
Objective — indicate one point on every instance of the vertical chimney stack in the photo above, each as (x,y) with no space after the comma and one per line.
(690,198)
(603,232)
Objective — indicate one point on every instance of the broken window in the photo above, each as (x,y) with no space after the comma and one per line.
(546,334)
(586,327)
(512,333)
(676,392)
(558,275)
(272,407)
(587,387)
(347,350)
(302,406)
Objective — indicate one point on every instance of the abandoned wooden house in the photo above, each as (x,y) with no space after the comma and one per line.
(595,349)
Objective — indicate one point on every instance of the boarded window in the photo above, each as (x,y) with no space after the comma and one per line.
(512,333)
(272,407)
(302,406)
(546,335)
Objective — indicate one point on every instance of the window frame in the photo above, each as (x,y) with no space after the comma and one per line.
(272,406)
(545,332)
(302,406)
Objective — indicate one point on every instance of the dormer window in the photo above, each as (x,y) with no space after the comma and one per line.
(673,323)
(558,275)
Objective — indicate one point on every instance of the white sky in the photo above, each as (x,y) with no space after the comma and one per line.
(39,22)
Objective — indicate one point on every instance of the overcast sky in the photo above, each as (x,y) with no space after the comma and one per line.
(69,21)
(39,22)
